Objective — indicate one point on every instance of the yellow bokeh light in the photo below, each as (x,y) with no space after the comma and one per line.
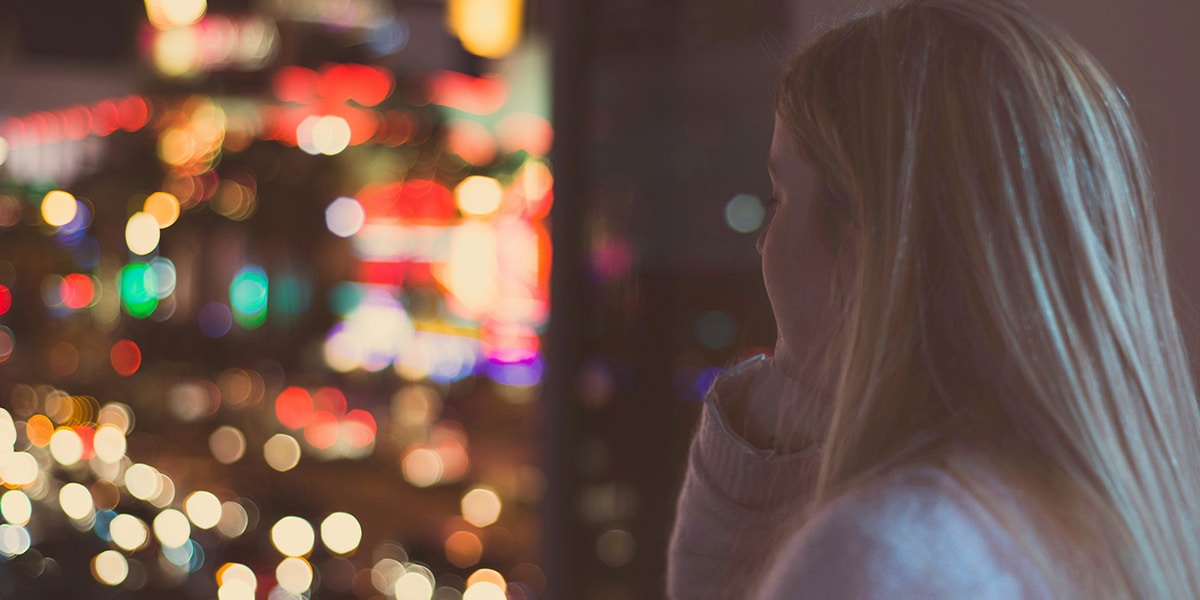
(282,452)
(15,507)
(166,14)
(128,532)
(294,574)
(164,207)
(177,52)
(483,575)
(141,233)
(59,208)
(488,28)
(66,447)
(172,528)
(413,586)
(110,567)
(485,590)
(422,467)
(478,195)
(472,272)
(203,508)
(293,536)
(341,533)
(481,506)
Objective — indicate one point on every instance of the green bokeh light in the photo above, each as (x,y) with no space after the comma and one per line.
(248,297)
(139,289)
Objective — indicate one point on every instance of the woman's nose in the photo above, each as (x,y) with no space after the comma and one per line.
(762,239)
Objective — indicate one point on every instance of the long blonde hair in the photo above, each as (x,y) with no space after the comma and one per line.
(1008,282)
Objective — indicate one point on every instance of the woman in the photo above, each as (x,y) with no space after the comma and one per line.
(979,388)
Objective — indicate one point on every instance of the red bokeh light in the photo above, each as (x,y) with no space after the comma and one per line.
(132,113)
(104,117)
(5,299)
(87,435)
(475,95)
(330,400)
(77,290)
(126,357)
(294,408)
(295,84)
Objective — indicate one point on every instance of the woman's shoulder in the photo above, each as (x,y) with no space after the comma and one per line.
(912,531)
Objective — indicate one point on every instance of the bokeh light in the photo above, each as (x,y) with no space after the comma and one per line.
(109,443)
(481,506)
(344,217)
(143,481)
(282,452)
(168,14)
(66,447)
(234,519)
(75,500)
(293,536)
(142,233)
(478,195)
(59,208)
(328,135)
(128,532)
(413,586)
(110,567)
(203,508)
(227,444)
(341,533)
(744,213)
(18,468)
(484,590)
(172,528)
(463,549)
(15,507)
(422,466)
(248,296)
(164,207)
(294,574)
(215,319)
(126,357)
(139,289)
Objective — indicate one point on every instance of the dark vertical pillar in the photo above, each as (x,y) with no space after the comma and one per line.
(563,353)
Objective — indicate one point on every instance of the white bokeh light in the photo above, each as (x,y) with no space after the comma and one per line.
(109,443)
(110,567)
(203,508)
(172,528)
(15,507)
(294,574)
(66,447)
(128,532)
(76,501)
(344,217)
(293,536)
(341,533)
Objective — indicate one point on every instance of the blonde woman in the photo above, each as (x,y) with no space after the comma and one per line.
(980,388)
